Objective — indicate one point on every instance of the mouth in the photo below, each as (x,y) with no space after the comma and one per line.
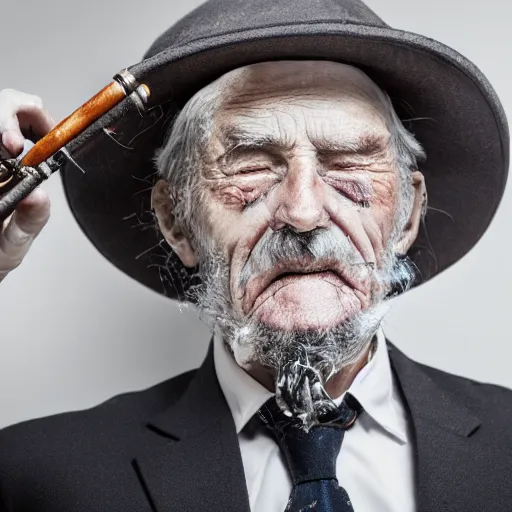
(286,273)
(296,274)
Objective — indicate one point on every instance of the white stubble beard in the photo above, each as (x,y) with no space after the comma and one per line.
(302,361)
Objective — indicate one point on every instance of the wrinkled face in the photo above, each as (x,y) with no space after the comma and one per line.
(294,219)
(300,153)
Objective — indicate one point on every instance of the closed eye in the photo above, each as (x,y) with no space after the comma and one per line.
(252,169)
(357,191)
(344,166)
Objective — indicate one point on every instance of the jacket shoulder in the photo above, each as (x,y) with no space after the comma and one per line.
(53,447)
(479,396)
(129,407)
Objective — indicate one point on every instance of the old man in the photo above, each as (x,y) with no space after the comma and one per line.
(290,205)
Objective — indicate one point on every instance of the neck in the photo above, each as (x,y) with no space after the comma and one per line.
(338,384)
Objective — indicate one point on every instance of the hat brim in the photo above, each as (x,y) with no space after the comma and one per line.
(441,97)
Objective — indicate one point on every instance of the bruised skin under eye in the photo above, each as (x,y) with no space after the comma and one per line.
(239,182)
(242,189)
(236,196)
(359,191)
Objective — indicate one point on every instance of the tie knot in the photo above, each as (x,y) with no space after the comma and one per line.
(310,454)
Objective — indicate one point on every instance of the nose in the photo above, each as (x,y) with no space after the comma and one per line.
(300,201)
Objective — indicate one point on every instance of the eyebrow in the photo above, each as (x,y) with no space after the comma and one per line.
(238,140)
(365,145)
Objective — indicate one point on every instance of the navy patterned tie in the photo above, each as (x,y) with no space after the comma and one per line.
(311,456)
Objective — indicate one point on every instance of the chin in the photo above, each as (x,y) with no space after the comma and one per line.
(307,323)
(309,315)
(340,336)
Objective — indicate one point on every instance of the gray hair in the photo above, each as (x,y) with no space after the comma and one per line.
(181,157)
(407,152)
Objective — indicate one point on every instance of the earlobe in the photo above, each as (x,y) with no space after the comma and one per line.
(162,204)
(411,229)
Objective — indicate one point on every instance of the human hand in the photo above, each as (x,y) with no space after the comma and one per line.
(22,116)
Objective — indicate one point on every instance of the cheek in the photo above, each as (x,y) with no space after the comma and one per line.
(384,204)
(236,228)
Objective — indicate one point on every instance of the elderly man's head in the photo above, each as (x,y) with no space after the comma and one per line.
(293,187)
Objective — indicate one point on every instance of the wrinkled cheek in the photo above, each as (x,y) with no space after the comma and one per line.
(368,284)
(385,223)
(373,230)
(385,210)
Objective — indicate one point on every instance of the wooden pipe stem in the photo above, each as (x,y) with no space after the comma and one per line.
(74,124)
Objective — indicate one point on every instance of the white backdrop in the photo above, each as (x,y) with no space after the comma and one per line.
(75,331)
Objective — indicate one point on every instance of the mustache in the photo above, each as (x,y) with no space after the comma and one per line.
(329,244)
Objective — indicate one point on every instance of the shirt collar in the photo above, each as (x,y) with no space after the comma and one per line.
(376,390)
(244,394)
(373,387)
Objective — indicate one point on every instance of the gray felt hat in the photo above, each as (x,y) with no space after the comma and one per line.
(458,119)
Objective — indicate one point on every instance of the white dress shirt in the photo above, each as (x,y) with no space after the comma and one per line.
(375,464)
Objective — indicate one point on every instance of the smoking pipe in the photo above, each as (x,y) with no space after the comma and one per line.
(19,177)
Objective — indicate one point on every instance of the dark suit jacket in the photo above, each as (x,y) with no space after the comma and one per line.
(173,448)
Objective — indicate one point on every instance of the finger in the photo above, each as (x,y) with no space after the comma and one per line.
(28,220)
(20,229)
(34,122)
(13,141)
(22,116)
(25,112)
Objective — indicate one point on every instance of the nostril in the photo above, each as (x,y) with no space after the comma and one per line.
(300,205)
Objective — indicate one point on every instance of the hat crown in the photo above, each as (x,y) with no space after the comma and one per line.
(217,17)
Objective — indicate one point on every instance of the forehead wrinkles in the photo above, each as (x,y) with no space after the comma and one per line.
(316,100)
(257,90)
(289,121)
(260,124)
(287,80)
(257,102)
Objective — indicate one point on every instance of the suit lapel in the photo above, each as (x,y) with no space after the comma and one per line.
(195,462)
(442,427)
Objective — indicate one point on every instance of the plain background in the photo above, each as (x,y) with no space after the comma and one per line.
(75,331)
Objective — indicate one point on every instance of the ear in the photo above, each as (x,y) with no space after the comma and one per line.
(410,231)
(163,206)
